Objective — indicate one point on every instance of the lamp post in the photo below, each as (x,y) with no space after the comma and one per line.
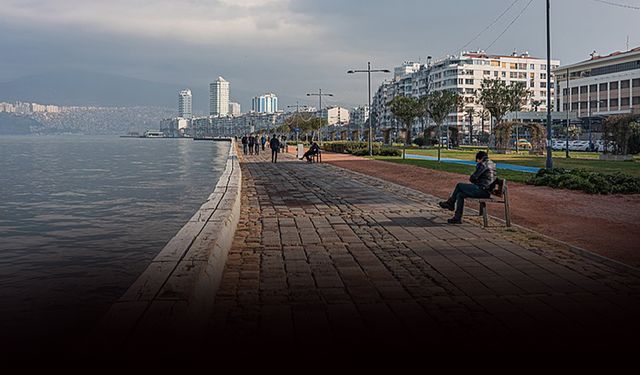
(369,71)
(319,94)
(549,164)
(297,107)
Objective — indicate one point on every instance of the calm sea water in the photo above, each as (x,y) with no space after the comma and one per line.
(81,218)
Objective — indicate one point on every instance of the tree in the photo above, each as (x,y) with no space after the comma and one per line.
(494,97)
(517,93)
(438,105)
(406,109)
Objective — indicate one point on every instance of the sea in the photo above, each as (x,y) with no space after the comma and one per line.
(82,216)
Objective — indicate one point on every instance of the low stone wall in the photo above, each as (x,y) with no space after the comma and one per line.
(174,296)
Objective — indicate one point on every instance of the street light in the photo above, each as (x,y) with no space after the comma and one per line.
(549,164)
(297,107)
(319,94)
(369,71)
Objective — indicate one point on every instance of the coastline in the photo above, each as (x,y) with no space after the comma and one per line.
(173,296)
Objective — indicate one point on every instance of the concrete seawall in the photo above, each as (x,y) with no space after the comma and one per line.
(174,296)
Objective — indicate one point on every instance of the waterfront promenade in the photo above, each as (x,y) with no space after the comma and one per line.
(332,260)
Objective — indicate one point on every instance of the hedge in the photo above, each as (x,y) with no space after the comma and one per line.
(587,181)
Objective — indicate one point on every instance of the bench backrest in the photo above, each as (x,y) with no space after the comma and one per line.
(498,187)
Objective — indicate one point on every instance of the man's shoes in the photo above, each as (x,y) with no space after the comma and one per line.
(454,221)
(446,205)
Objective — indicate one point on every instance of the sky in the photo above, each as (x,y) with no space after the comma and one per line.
(291,47)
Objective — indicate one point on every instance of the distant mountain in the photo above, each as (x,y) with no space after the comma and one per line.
(82,88)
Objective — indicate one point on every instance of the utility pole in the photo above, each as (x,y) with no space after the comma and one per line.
(369,71)
(470,111)
(297,106)
(566,138)
(319,94)
(549,164)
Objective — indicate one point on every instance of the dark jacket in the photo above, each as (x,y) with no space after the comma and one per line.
(274,144)
(485,174)
(244,140)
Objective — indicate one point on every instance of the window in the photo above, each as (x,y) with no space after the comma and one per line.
(624,84)
(613,85)
(624,102)
(636,100)
(543,75)
(486,72)
(543,85)
(495,74)
(564,92)
(495,63)
(613,103)
(543,93)
(583,89)
(574,91)
(593,88)
(504,65)
(603,87)
(532,66)
(468,81)
(504,74)
(513,66)
(636,82)
(513,75)
(543,67)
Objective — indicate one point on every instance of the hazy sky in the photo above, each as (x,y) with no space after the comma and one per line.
(289,47)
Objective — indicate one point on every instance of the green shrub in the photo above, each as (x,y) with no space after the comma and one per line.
(587,181)
(378,151)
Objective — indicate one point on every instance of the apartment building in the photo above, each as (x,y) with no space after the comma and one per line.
(464,74)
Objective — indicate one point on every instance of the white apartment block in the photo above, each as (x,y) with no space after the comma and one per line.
(358,116)
(464,74)
(185,104)
(219,97)
(335,115)
(234,109)
(267,103)
(600,86)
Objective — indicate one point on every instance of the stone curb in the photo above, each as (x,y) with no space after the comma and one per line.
(174,296)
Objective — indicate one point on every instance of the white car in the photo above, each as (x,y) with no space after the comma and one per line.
(579,145)
(558,144)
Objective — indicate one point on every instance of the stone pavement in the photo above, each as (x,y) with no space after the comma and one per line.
(327,258)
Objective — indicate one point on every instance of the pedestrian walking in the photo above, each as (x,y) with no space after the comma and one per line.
(251,144)
(274,144)
(263,141)
(256,144)
(245,144)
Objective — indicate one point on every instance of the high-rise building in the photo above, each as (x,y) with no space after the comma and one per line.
(219,97)
(185,106)
(234,109)
(267,103)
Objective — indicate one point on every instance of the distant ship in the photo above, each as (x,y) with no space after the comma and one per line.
(153,134)
(132,135)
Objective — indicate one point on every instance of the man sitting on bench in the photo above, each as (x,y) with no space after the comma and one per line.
(482,181)
(313,151)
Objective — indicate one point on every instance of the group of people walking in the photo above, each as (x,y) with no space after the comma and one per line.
(251,145)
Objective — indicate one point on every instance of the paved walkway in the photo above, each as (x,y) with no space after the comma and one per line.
(331,259)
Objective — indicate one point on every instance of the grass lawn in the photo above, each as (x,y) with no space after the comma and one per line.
(582,160)
(456,168)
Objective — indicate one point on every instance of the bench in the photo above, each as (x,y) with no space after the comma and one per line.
(317,158)
(499,194)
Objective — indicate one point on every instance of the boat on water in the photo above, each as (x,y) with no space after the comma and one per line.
(153,134)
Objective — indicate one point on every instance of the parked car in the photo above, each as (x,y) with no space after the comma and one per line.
(559,144)
(579,146)
(524,144)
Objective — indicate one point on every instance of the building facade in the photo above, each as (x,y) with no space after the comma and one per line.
(600,86)
(334,115)
(464,74)
(185,104)
(267,103)
(219,97)
(234,109)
